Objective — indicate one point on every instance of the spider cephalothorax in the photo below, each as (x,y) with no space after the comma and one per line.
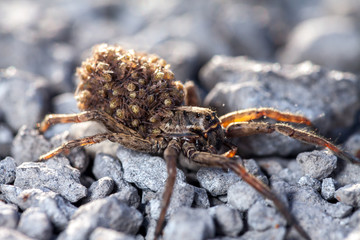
(134,95)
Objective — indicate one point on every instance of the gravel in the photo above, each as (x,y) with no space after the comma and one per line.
(239,53)
(55,174)
(35,224)
(317,164)
(108,212)
(190,224)
(228,221)
(7,170)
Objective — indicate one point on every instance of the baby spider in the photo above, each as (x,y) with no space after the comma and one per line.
(134,95)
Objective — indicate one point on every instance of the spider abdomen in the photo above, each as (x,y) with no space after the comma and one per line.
(136,89)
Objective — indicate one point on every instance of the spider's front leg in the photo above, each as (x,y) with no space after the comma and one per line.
(247,115)
(251,128)
(215,160)
(93,115)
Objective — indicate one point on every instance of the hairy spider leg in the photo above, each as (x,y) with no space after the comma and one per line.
(251,128)
(216,160)
(247,115)
(93,115)
(66,147)
(171,154)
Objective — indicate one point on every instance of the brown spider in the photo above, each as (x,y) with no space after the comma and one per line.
(135,97)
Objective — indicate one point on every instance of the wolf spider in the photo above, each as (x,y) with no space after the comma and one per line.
(198,134)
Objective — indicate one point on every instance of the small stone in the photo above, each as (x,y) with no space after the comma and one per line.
(6,138)
(317,164)
(273,234)
(29,145)
(55,206)
(107,166)
(145,171)
(100,189)
(101,233)
(307,181)
(9,215)
(12,234)
(253,168)
(216,181)
(228,221)
(328,188)
(129,195)
(107,212)
(7,170)
(237,197)
(340,210)
(55,174)
(190,223)
(201,199)
(183,196)
(262,217)
(347,173)
(349,194)
(23,97)
(35,224)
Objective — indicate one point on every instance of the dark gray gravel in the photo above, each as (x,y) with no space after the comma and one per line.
(228,221)
(311,182)
(237,199)
(328,188)
(100,189)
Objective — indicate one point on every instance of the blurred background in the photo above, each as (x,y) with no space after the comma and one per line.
(50,38)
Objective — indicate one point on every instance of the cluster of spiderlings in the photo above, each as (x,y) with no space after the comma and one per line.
(137,89)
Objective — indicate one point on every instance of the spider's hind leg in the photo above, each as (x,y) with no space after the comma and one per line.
(251,128)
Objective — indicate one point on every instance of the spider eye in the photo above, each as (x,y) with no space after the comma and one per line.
(207,117)
(197,115)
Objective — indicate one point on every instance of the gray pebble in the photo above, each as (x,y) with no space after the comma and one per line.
(9,215)
(273,234)
(328,188)
(191,224)
(253,168)
(228,221)
(35,224)
(308,196)
(182,196)
(7,170)
(317,164)
(129,195)
(100,189)
(347,173)
(6,138)
(29,145)
(317,223)
(146,171)
(55,206)
(216,181)
(23,97)
(12,234)
(307,181)
(201,199)
(349,194)
(55,174)
(107,212)
(101,233)
(262,217)
(238,199)
(272,165)
(108,166)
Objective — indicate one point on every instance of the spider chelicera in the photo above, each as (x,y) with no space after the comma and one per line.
(134,95)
